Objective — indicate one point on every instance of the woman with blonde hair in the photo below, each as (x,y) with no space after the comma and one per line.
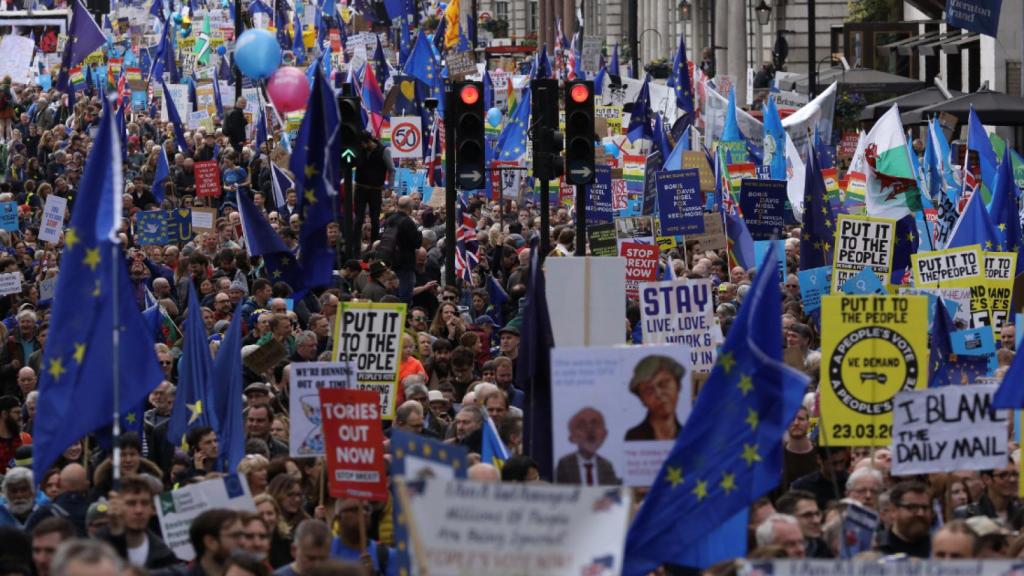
(254,468)
(280,534)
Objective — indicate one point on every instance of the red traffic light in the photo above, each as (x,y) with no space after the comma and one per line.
(469,94)
(579,93)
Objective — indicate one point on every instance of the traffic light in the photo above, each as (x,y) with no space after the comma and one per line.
(579,132)
(548,163)
(351,128)
(468,114)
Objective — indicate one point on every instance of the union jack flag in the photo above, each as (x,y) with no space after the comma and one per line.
(466,245)
(434,146)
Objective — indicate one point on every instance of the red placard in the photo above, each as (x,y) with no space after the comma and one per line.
(641,265)
(355,443)
(848,144)
(207,175)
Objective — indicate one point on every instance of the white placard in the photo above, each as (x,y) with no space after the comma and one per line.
(178,508)
(600,289)
(680,311)
(512,529)
(47,288)
(305,433)
(179,95)
(17,58)
(948,428)
(53,218)
(10,283)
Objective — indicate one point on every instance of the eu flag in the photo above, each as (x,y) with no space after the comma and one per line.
(162,172)
(613,65)
(731,454)
(316,164)
(974,227)
(75,392)
(819,222)
(542,67)
(512,140)
(421,64)
(905,245)
(261,240)
(948,368)
(193,405)
(1010,394)
(533,367)
(774,143)
(227,393)
(84,37)
(1006,209)
(640,115)
(492,449)
(680,79)
(977,141)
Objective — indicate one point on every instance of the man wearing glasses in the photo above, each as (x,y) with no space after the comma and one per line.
(912,520)
(804,507)
(999,501)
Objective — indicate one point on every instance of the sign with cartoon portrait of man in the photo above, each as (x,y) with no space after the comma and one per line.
(617,411)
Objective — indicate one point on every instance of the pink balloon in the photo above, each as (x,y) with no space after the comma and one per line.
(288,89)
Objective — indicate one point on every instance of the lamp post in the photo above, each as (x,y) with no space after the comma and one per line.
(684,10)
(764,14)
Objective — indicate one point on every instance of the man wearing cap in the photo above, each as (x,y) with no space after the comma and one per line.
(439,417)
(508,345)
(257,393)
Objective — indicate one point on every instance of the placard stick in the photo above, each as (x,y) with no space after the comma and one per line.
(362,525)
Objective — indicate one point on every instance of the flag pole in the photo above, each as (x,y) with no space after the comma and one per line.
(115,355)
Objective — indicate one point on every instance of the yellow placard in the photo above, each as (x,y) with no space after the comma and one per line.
(962,267)
(872,348)
(999,276)
(369,335)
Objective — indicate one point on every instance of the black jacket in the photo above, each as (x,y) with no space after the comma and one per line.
(409,240)
(160,555)
(234,126)
(71,506)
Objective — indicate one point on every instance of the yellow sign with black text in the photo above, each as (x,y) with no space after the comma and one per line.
(962,267)
(872,348)
(999,275)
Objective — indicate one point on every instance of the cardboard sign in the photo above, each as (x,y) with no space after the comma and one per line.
(713,237)
(693,159)
(53,218)
(204,219)
(305,380)
(620,195)
(601,238)
(872,348)
(641,265)
(177,509)
(948,428)
(10,283)
(680,204)
(862,242)
(762,203)
(535,529)
(590,315)
(369,335)
(266,357)
(859,526)
(814,283)
(600,204)
(680,311)
(9,216)
(355,444)
(207,175)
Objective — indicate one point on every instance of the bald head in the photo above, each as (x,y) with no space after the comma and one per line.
(483,473)
(73,478)
(405,204)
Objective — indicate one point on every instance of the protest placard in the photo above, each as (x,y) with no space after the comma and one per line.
(151,228)
(203,219)
(863,283)
(874,567)
(264,358)
(47,288)
(680,311)
(207,175)
(962,267)
(601,238)
(694,159)
(680,203)
(369,335)
(603,386)
(859,526)
(599,197)
(872,347)
(862,242)
(305,381)
(178,508)
(713,237)
(948,428)
(762,203)
(10,283)
(814,283)
(354,441)
(999,277)
(9,216)
(179,225)
(53,218)
(761,249)
(17,61)
(641,265)
(514,529)
(590,315)
(620,195)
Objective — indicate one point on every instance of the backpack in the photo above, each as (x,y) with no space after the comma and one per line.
(387,249)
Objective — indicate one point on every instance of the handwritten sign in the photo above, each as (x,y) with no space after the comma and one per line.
(305,381)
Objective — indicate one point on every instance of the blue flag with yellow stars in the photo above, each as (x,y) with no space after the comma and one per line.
(193,405)
(819,223)
(1005,210)
(75,380)
(974,227)
(261,240)
(905,245)
(512,140)
(948,368)
(421,64)
(680,79)
(226,376)
(731,454)
(316,164)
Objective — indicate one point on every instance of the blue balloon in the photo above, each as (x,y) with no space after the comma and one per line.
(222,50)
(494,117)
(257,54)
(611,149)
